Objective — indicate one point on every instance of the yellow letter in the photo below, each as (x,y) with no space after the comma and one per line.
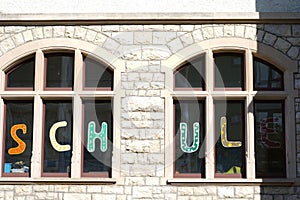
(224,140)
(58,147)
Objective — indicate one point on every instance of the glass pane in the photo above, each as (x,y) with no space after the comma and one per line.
(98,136)
(58,136)
(22,75)
(97,75)
(189,129)
(18,136)
(269,139)
(229,126)
(191,74)
(229,70)
(60,69)
(266,76)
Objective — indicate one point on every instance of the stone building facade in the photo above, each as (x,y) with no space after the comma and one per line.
(144,56)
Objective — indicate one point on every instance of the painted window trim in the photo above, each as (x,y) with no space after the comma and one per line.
(40,94)
(250,49)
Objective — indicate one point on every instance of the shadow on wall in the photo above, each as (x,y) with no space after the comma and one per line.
(263,7)
(277,5)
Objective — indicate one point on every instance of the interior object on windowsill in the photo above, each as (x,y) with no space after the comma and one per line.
(7,167)
(20,167)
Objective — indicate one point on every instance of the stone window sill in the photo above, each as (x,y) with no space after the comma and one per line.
(232,181)
(48,180)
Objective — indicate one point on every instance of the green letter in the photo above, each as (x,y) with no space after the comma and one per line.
(183,133)
(93,135)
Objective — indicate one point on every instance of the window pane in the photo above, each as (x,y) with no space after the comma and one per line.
(189,116)
(229,70)
(97,74)
(59,70)
(266,76)
(229,126)
(191,74)
(58,136)
(22,75)
(18,136)
(97,146)
(269,139)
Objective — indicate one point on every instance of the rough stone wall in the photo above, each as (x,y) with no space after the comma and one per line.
(143,47)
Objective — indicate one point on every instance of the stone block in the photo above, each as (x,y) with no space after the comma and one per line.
(185,191)
(172,28)
(197,35)
(269,39)
(27,35)
(38,33)
(100,39)
(131,28)
(187,28)
(225,192)
(137,66)
(69,32)
(155,52)
(123,37)
(23,189)
(90,35)
(142,170)
(279,29)
(74,196)
(153,28)
(111,45)
(48,31)
(293,52)
(282,45)
(239,31)
(219,31)
(163,37)
(61,188)
(129,158)
(143,38)
(7,45)
(14,29)
(208,32)
(250,33)
(244,192)
(111,28)
(142,192)
(296,30)
(187,39)
(133,181)
(59,31)
(260,35)
(109,189)
(103,196)
(77,188)
(228,30)
(18,39)
(175,45)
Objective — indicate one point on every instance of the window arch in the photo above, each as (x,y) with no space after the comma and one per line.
(61,112)
(241,118)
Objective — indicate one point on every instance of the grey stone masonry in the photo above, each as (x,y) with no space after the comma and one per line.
(142,108)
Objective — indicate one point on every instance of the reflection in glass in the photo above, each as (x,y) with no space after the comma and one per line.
(191,74)
(230,158)
(18,148)
(266,76)
(60,69)
(55,159)
(189,112)
(229,70)
(99,112)
(97,74)
(269,139)
(22,76)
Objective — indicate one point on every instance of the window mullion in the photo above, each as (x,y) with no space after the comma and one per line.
(210,140)
(250,139)
(39,71)
(77,137)
(248,70)
(36,160)
(78,71)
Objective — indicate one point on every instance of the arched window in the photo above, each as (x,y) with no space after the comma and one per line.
(213,107)
(63,126)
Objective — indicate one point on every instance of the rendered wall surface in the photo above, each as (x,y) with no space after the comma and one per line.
(140,6)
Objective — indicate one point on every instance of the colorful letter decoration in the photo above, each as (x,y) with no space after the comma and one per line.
(58,147)
(269,126)
(224,140)
(183,133)
(21,145)
(93,135)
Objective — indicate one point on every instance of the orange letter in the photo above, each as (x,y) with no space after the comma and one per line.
(21,145)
